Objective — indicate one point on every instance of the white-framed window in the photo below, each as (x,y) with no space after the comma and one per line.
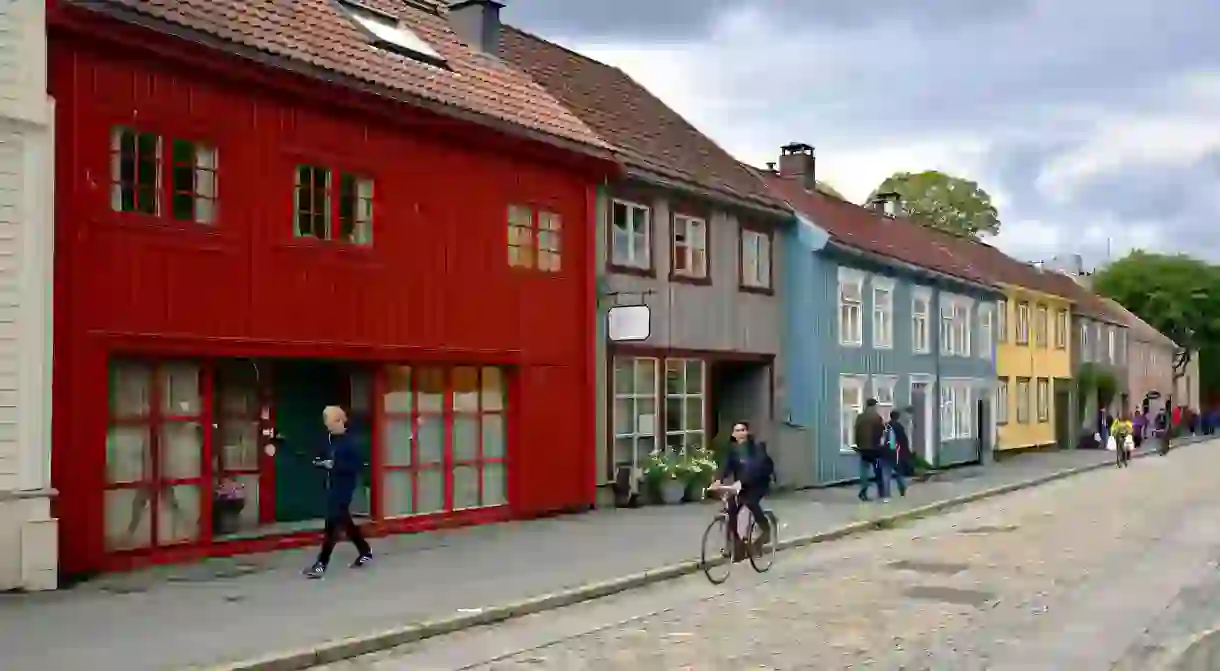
(985,331)
(1044,400)
(1099,342)
(631,235)
(883,391)
(1110,334)
(1061,329)
(755,259)
(956,410)
(1086,351)
(955,325)
(946,324)
(636,385)
(851,404)
(1023,323)
(1042,326)
(947,412)
(1122,346)
(1001,312)
(689,246)
(961,324)
(1001,401)
(851,300)
(1022,400)
(685,409)
(883,313)
(921,307)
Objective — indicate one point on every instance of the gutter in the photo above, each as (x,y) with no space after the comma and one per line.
(681,185)
(286,64)
(912,268)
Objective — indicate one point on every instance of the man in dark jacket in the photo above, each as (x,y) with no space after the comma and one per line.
(905,458)
(867,443)
(343,463)
(748,463)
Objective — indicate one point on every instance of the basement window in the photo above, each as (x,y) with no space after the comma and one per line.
(388,33)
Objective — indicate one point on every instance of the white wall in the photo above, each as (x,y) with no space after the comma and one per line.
(28,552)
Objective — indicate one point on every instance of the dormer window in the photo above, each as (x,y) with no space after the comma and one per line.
(387,32)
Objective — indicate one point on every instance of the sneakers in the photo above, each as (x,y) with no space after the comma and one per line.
(362,561)
(318,570)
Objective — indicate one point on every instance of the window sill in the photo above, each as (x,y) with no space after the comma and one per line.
(853,345)
(650,272)
(327,246)
(762,291)
(678,278)
(160,224)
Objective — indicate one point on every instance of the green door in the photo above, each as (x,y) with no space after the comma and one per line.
(302,390)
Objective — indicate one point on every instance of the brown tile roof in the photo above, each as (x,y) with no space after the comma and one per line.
(1140,329)
(864,229)
(315,35)
(648,134)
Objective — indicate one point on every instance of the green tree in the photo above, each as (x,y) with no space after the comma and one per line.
(829,190)
(1177,295)
(952,204)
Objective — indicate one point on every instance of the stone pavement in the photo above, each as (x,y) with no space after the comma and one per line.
(1069,575)
(232,609)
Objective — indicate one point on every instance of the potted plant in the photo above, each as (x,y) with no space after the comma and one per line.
(698,469)
(227,503)
(662,472)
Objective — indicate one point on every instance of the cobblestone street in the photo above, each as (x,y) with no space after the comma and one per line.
(1077,574)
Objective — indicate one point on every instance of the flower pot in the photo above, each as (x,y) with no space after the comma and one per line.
(672,491)
(226,516)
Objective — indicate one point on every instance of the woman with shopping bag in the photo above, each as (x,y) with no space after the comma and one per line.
(1121,432)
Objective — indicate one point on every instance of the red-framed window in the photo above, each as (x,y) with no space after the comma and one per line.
(444,437)
(157,489)
(149,171)
(324,197)
(242,416)
(534,239)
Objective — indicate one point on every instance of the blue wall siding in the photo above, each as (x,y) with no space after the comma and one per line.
(974,367)
(815,362)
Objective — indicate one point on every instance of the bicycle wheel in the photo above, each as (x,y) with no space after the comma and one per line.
(762,550)
(714,557)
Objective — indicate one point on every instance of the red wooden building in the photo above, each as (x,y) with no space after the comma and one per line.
(264,208)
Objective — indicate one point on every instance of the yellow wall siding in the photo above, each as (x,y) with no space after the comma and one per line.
(1033,361)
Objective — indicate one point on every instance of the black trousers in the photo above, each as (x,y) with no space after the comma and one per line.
(341,521)
(752,501)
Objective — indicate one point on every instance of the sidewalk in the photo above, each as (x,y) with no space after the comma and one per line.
(232,609)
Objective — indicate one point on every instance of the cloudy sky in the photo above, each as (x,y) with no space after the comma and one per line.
(1094,124)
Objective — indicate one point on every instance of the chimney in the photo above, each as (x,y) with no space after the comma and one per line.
(886,202)
(796,161)
(477,22)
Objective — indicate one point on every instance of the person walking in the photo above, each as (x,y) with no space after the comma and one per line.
(906,458)
(888,466)
(342,463)
(867,434)
(1121,430)
(1139,424)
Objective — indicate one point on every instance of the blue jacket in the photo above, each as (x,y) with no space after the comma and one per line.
(343,474)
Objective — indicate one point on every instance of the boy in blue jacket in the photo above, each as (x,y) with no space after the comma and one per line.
(343,463)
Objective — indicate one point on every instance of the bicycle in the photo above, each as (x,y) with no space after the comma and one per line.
(726,544)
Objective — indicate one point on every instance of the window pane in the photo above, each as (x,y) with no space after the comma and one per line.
(693,419)
(493,388)
(639,249)
(694,376)
(178,514)
(646,377)
(397,441)
(127,454)
(495,484)
(128,519)
(430,437)
(673,413)
(624,416)
(431,483)
(130,389)
(181,446)
(675,381)
(239,445)
(465,487)
(465,437)
(396,493)
(180,389)
(466,389)
(430,389)
(493,436)
(624,375)
(398,389)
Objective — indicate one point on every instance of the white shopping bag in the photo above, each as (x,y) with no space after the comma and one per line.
(1128,443)
(1111,444)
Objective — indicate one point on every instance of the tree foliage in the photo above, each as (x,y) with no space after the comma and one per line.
(829,190)
(1177,295)
(944,202)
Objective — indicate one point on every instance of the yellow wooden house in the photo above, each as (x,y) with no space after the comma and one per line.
(1033,368)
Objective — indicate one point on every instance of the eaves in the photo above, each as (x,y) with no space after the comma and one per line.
(912,268)
(683,186)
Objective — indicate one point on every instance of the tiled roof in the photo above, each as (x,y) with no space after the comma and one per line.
(647,133)
(313,35)
(1140,329)
(864,229)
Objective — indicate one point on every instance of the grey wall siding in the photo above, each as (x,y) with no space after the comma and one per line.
(1097,353)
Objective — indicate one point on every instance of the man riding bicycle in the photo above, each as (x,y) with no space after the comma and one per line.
(749,464)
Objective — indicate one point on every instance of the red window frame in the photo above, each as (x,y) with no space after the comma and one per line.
(334,197)
(165,165)
(260,416)
(448,463)
(155,418)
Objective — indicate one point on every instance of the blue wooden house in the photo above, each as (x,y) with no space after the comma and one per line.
(877,308)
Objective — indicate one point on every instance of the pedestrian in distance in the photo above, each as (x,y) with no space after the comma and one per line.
(1122,431)
(906,458)
(888,466)
(867,434)
(342,463)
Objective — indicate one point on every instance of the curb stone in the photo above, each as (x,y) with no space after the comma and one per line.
(355,646)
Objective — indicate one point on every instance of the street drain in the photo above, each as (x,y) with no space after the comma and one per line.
(938,568)
(962,597)
(989,529)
